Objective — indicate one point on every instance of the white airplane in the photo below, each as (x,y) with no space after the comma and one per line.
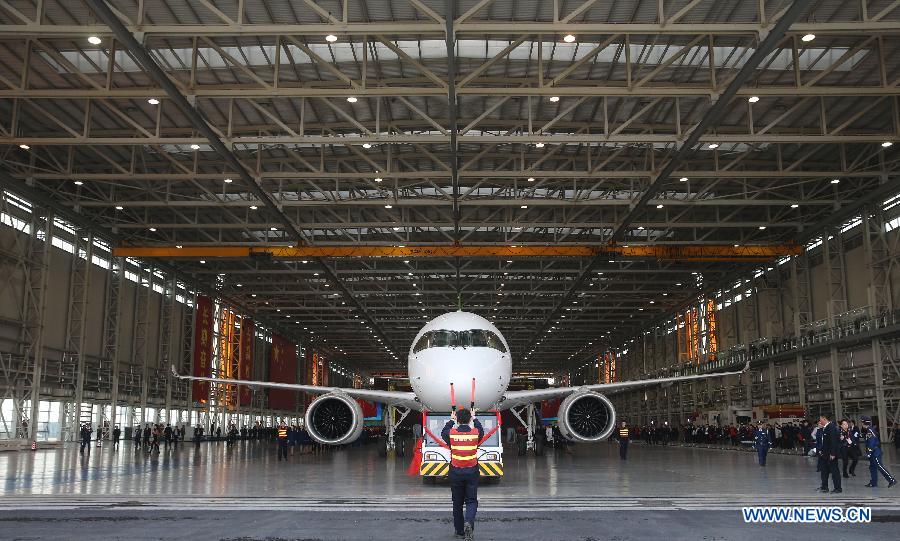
(456,348)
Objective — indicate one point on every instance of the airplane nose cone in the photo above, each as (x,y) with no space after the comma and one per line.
(432,371)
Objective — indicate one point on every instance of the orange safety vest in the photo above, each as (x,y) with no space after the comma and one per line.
(623,433)
(463,448)
(282,433)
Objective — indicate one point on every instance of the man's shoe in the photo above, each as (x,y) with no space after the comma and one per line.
(836,491)
(822,489)
(892,483)
(846,476)
(870,485)
(467,532)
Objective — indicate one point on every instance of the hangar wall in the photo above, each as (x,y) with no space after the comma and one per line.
(829,314)
(107,332)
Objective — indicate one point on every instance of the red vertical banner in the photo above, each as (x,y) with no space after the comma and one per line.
(203,347)
(309,373)
(248,331)
(282,369)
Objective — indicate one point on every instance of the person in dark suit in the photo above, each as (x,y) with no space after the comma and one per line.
(829,451)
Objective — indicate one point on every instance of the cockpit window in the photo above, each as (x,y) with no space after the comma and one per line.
(475,338)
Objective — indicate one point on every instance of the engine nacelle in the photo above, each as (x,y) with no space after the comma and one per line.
(586,417)
(334,419)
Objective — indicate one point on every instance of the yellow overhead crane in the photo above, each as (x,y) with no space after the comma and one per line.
(671,252)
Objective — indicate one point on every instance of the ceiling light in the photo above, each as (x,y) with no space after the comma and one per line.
(539,145)
(640,228)
(554,99)
(389,206)
(569,38)
(713,146)
(153,101)
(195,147)
(836,181)
(23,146)
(378,179)
(304,262)
(253,207)
(203,262)
(367,145)
(683,179)
(524,206)
(530,179)
(240,285)
(762,227)
(659,206)
(178,246)
(887,144)
(808,37)
(94,40)
(273,229)
(794,205)
(78,183)
(153,230)
(330,38)
(352,99)
(119,207)
(753,99)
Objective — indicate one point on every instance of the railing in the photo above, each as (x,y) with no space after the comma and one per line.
(850,324)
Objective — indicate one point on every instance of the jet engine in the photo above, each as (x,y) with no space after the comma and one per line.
(334,419)
(586,417)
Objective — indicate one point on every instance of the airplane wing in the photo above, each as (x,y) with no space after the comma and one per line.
(518,398)
(392,398)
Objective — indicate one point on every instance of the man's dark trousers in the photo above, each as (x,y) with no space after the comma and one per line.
(623,449)
(464,487)
(830,467)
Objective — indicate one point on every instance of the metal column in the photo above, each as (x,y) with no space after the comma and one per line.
(33,303)
(76,318)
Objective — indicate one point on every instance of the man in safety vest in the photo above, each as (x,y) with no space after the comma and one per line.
(463,440)
(624,437)
(282,441)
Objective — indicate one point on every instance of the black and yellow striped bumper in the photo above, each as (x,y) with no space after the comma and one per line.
(442,469)
(490,469)
(434,469)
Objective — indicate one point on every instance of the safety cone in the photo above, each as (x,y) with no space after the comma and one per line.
(33,445)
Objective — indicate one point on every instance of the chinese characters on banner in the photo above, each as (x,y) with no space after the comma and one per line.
(282,369)
(203,346)
(246,358)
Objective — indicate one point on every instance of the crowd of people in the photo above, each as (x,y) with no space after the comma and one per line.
(786,436)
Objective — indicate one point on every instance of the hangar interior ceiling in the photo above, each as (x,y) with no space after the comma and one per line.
(360,123)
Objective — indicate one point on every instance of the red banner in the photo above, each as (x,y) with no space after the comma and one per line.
(246,358)
(282,369)
(203,346)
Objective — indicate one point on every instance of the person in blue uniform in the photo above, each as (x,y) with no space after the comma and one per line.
(463,439)
(873,453)
(762,443)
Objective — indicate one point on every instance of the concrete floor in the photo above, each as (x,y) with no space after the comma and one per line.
(589,494)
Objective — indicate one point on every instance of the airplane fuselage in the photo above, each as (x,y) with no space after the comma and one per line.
(455,348)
